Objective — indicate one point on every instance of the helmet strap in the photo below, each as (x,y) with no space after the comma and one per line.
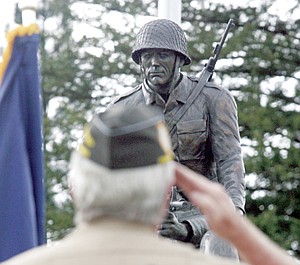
(175,73)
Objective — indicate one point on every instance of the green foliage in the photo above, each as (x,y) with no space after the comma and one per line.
(279,227)
(86,61)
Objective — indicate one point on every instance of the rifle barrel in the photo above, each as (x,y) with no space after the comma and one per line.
(212,60)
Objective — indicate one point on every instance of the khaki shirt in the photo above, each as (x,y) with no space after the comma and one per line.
(113,242)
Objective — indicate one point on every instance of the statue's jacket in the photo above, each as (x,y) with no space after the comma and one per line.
(206,138)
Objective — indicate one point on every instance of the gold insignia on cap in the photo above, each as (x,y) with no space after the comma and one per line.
(87,143)
(164,143)
(83,150)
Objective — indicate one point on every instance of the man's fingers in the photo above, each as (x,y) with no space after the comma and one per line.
(170,219)
(164,232)
(165,226)
(171,216)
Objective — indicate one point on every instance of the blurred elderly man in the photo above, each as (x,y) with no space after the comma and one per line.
(120,177)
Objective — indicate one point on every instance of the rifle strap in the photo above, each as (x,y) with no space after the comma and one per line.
(203,79)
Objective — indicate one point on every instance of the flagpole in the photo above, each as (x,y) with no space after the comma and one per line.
(170,9)
(28,9)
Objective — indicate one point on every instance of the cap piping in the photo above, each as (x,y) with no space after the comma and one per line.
(101,126)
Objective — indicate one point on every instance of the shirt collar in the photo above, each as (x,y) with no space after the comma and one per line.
(179,93)
(149,95)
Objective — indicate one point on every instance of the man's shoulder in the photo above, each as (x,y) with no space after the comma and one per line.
(212,85)
(211,91)
(135,246)
(182,253)
(131,93)
(208,85)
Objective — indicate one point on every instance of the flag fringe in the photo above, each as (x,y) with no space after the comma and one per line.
(10,36)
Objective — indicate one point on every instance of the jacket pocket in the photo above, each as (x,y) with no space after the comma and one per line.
(191,138)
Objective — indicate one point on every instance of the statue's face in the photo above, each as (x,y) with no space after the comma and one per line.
(157,66)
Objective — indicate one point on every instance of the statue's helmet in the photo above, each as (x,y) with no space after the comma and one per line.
(161,34)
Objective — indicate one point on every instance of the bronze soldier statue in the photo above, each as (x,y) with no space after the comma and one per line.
(205,138)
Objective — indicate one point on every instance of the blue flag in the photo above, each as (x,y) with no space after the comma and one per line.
(22,191)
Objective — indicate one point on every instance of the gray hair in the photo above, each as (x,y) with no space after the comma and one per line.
(136,194)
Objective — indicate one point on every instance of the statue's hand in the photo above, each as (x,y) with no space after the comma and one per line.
(173,229)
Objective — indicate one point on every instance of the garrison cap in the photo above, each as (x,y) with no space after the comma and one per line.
(161,34)
(126,138)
